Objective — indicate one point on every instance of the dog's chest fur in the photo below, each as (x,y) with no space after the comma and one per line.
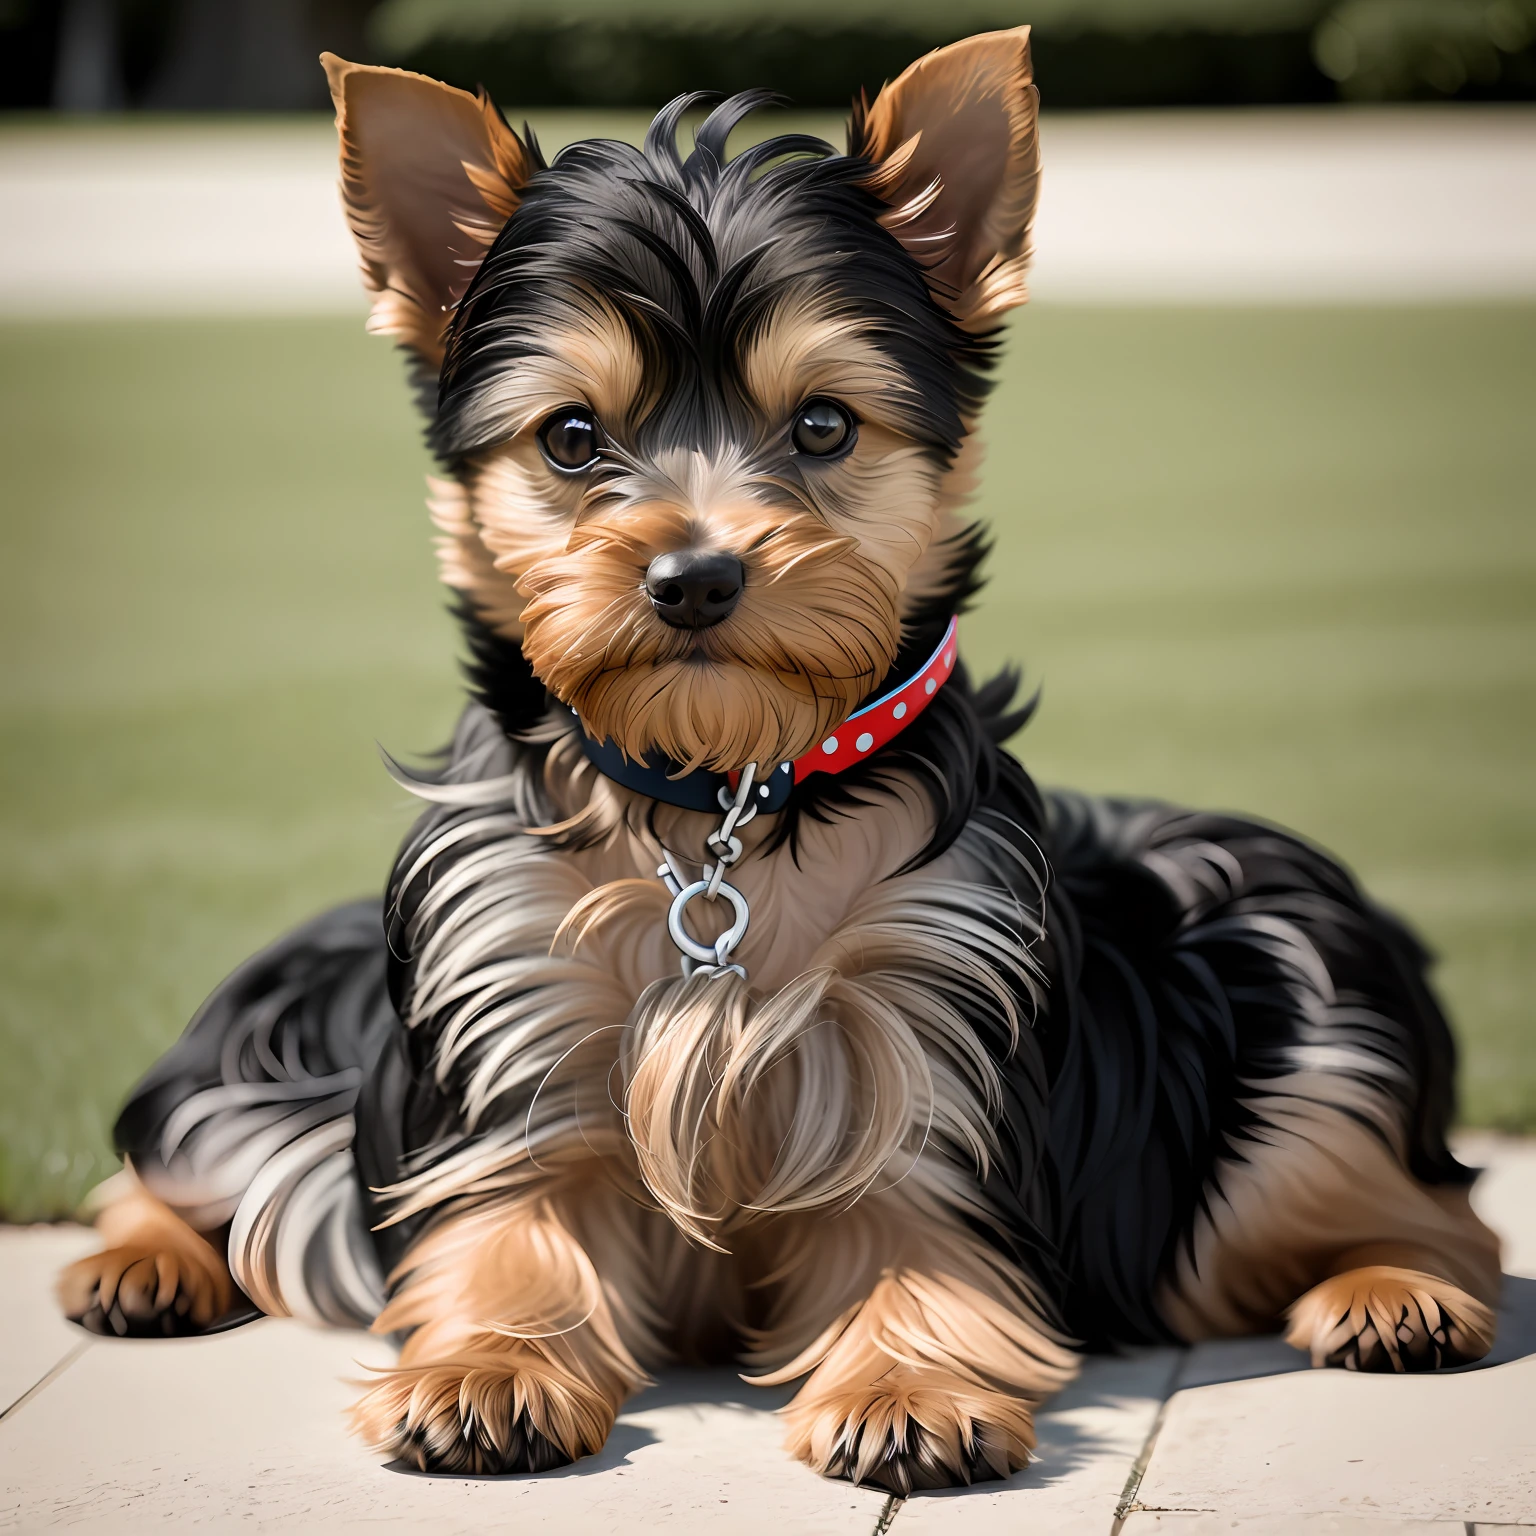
(543,984)
(798,897)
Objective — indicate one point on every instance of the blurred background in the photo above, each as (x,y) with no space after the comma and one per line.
(257,55)
(1262,467)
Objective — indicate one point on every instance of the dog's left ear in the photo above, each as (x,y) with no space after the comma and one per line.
(955,151)
(429,174)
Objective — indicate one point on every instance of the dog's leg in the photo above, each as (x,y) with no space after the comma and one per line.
(154,1276)
(240,1187)
(525,1319)
(929,1376)
(1322,1227)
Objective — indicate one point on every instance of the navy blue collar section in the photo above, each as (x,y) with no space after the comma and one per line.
(659,777)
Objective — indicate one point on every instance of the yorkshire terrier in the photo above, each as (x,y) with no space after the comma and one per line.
(736,995)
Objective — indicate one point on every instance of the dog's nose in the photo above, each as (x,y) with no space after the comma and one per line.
(692,589)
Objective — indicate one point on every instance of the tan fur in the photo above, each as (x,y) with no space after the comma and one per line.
(511,1318)
(1321,1194)
(560,564)
(1380,1316)
(429,176)
(152,1262)
(466,565)
(805,1097)
(929,575)
(816,628)
(805,347)
(833,1084)
(784,1164)
(915,1332)
(801,1090)
(955,142)
(546,1304)
(589,357)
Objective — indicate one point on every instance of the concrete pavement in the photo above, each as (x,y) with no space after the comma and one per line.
(244,1431)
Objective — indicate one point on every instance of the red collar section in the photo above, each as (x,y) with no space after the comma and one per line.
(870,728)
(873,726)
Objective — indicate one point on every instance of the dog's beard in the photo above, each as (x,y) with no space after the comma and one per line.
(817,628)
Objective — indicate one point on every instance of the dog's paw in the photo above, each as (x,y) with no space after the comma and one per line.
(907,1441)
(146,1291)
(480,1419)
(1383,1319)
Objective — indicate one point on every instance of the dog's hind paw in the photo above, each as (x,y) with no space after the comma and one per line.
(1384,1319)
(472,1419)
(147,1291)
(908,1441)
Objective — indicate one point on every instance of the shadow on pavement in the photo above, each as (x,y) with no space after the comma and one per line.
(709,1389)
(1103,1416)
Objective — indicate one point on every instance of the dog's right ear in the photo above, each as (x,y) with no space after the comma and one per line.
(429,174)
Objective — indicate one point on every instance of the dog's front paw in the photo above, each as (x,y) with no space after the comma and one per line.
(1384,1319)
(146,1290)
(481,1418)
(906,1440)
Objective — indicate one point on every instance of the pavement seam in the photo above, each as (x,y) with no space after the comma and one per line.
(1139,1467)
(45,1380)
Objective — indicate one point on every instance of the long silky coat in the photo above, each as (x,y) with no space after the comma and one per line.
(1008,1073)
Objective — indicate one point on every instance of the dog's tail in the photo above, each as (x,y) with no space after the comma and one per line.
(246,1124)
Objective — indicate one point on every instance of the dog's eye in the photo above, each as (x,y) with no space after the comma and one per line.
(822,428)
(569,439)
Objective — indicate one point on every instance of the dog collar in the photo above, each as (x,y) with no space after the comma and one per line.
(863,733)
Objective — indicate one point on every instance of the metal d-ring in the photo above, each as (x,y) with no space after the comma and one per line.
(716,954)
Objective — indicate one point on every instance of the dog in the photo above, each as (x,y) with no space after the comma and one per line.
(737,996)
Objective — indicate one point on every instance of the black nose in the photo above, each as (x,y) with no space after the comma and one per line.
(692,589)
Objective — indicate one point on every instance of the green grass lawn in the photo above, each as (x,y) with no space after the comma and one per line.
(1274,560)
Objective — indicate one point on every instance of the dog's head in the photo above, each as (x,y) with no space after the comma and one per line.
(706,417)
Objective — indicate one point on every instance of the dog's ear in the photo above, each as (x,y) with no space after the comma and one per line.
(429,175)
(955,150)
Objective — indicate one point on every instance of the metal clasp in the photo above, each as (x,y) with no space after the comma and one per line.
(726,847)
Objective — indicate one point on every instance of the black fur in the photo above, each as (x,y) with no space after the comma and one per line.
(916,1462)
(693,252)
(1180,949)
(1189,958)
(306,1019)
(1195,953)
(476,1452)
